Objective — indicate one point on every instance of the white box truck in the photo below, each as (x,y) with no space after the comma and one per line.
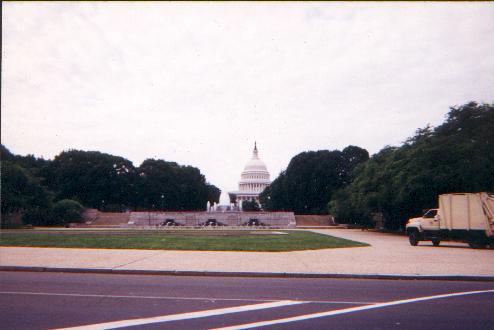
(465,217)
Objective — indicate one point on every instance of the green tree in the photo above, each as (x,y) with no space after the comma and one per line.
(66,211)
(399,182)
(99,180)
(20,190)
(182,187)
(310,179)
(91,177)
(30,163)
(251,206)
(213,193)
(5,154)
(22,194)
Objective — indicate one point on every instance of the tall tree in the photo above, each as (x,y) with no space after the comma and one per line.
(310,179)
(20,190)
(399,182)
(91,177)
(213,193)
(98,180)
(169,186)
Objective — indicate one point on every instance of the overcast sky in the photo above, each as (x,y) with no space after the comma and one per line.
(198,83)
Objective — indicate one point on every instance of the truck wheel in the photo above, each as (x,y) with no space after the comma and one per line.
(477,245)
(436,241)
(413,238)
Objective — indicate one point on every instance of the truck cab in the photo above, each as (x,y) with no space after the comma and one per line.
(425,227)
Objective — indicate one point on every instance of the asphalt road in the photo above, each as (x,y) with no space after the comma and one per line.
(57,300)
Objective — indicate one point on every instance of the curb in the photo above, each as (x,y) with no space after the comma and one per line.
(473,278)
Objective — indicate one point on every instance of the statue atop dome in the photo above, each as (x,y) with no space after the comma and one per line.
(253,180)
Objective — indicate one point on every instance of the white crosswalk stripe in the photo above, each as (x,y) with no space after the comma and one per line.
(347,310)
(186,316)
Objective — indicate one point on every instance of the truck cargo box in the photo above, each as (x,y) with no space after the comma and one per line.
(466,211)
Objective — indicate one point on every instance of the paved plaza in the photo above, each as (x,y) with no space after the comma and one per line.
(388,254)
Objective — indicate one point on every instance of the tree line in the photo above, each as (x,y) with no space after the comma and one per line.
(397,182)
(33,186)
(401,182)
(310,179)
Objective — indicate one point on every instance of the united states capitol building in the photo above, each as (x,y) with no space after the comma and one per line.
(253,179)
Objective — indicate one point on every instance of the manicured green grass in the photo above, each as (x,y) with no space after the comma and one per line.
(194,240)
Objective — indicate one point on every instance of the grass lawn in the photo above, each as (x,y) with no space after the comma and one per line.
(219,240)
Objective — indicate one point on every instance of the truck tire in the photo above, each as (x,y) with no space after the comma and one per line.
(436,241)
(414,238)
(477,245)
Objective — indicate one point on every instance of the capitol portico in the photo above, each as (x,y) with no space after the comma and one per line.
(253,180)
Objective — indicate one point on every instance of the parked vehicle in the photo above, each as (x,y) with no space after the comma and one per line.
(465,217)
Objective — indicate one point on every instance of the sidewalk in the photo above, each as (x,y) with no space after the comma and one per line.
(388,255)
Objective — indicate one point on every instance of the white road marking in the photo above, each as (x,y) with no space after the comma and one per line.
(348,310)
(174,298)
(127,297)
(185,316)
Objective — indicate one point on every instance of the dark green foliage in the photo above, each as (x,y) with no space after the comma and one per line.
(93,178)
(113,208)
(5,154)
(182,187)
(20,190)
(399,182)
(22,193)
(98,180)
(214,193)
(29,163)
(310,179)
(66,211)
(112,183)
(38,217)
(251,206)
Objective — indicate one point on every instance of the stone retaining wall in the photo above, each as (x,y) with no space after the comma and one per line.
(314,220)
(194,219)
(97,218)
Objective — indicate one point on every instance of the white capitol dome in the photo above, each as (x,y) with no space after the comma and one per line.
(253,179)
(255,165)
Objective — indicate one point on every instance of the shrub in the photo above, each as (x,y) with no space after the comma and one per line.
(38,217)
(65,211)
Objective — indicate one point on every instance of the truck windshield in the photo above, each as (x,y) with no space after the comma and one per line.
(430,214)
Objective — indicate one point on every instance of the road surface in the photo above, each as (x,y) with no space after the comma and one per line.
(31,300)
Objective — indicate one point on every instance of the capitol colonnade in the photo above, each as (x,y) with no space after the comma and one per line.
(253,180)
